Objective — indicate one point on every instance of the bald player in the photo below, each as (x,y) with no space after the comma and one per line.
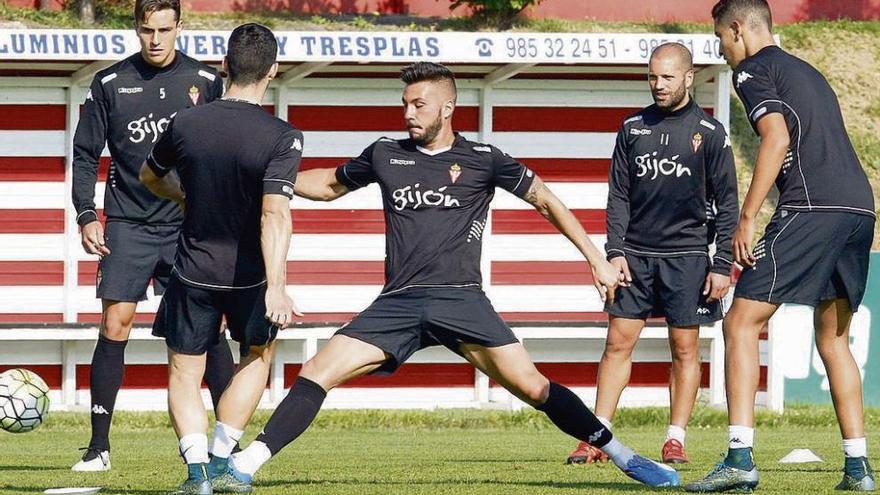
(815,249)
(672,194)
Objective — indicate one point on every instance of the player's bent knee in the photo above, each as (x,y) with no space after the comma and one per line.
(115,330)
(536,391)
(262,352)
(318,373)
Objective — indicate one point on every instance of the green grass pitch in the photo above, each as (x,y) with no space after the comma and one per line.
(443,452)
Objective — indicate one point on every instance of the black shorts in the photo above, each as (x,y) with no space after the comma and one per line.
(809,257)
(138,253)
(189,317)
(402,323)
(670,287)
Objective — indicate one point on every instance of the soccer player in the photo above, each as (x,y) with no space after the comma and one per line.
(436,189)
(671,163)
(237,164)
(815,249)
(128,107)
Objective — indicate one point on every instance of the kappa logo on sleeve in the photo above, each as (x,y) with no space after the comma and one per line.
(742,77)
(297,144)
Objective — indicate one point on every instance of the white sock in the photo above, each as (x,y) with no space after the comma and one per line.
(740,437)
(675,433)
(619,453)
(249,460)
(194,448)
(605,421)
(855,447)
(225,439)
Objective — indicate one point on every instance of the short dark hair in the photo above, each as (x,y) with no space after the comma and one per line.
(144,7)
(428,71)
(727,11)
(251,52)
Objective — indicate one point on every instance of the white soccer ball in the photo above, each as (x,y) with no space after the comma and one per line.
(24,400)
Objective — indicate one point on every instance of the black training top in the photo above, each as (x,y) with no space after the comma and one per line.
(228,154)
(671,175)
(436,205)
(128,106)
(821,171)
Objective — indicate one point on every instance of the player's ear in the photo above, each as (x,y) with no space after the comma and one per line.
(736,28)
(448,109)
(273,71)
(689,79)
(224,69)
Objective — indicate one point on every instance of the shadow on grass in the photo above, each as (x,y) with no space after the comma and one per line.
(29,468)
(586,485)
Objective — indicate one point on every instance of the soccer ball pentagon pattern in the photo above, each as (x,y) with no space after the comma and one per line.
(24,400)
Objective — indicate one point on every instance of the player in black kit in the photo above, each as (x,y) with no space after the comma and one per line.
(672,168)
(238,165)
(436,189)
(128,107)
(815,249)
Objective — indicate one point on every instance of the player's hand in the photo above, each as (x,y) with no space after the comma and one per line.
(606,278)
(93,239)
(280,308)
(716,286)
(742,243)
(623,268)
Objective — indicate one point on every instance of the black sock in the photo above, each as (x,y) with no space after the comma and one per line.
(294,415)
(568,412)
(219,368)
(108,367)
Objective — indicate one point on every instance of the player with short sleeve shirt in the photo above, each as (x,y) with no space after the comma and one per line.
(237,164)
(672,194)
(815,249)
(128,106)
(436,189)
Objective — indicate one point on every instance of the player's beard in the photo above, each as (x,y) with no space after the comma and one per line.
(431,131)
(674,99)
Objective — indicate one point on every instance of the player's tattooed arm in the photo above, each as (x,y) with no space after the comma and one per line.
(319,185)
(606,277)
(167,186)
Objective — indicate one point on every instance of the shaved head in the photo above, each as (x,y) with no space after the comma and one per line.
(671,75)
(676,51)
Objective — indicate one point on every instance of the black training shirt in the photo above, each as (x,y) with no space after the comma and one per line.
(228,154)
(821,171)
(435,205)
(128,106)
(670,174)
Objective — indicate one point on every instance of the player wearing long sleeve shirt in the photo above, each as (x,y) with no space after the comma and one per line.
(672,194)
(128,106)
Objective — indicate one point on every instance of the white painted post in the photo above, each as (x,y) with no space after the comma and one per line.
(775,376)
(722,97)
(71,230)
(717,396)
(481,381)
(68,373)
(276,377)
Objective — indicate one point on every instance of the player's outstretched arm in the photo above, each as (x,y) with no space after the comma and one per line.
(167,186)
(606,277)
(319,184)
(275,231)
(775,141)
